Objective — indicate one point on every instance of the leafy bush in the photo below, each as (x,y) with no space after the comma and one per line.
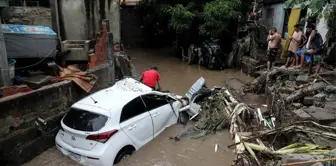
(210,17)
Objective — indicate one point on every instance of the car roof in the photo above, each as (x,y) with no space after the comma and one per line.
(115,96)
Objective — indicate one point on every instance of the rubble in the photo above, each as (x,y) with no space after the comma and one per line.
(294,127)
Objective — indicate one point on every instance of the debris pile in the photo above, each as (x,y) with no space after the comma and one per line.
(298,127)
(304,107)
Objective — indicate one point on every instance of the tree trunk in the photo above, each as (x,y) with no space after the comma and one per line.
(305,91)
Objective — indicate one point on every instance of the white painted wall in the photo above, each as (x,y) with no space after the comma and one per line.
(322,26)
(278,17)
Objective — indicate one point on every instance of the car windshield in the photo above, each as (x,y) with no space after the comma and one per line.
(83,120)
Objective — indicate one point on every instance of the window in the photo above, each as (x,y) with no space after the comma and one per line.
(83,120)
(269,17)
(154,101)
(132,109)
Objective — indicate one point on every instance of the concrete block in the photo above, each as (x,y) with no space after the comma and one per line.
(330,106)
(318,104)
(308,101)
(331,97)
(322,115)
(297,105)
(302,114)
(321,97)
(302,79)
(79,50)
(37,81)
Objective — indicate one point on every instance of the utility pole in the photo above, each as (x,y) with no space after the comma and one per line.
(4,78)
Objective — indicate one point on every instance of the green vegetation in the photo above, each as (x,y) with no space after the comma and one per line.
(316,6)
(190,18)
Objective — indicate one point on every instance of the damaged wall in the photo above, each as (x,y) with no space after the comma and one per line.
(27,15)
(80,19)
(21,139)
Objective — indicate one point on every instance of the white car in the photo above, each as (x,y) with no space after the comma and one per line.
(107,126)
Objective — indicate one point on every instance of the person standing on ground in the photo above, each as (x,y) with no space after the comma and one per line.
(151,78)
(304,41)
(295,42)
(314,46)
(274,42)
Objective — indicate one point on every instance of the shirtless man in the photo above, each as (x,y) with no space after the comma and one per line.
(274,42)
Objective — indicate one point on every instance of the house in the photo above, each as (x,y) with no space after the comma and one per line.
(275,14)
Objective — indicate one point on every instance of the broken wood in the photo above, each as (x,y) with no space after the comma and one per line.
(304,91)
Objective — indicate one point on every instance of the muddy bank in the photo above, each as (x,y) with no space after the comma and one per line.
(177,77)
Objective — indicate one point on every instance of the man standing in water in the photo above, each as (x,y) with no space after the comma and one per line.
(294,45)
(151,78)
(274,42)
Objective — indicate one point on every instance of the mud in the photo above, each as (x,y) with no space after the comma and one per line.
(177,77)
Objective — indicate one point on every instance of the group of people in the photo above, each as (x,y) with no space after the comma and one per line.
(303,47)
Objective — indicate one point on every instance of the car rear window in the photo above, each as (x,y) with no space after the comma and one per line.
(83,120)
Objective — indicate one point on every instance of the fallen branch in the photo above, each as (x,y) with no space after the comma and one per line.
(304,91)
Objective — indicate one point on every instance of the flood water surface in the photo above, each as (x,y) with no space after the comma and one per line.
(177,77)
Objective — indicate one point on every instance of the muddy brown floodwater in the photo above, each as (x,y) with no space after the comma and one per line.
(177,77)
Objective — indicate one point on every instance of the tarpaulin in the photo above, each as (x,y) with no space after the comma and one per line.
(23,41)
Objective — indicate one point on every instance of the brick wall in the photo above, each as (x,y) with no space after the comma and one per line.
(100,51)
(20,138)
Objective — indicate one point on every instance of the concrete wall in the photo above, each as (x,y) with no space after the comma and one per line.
(80,19)
(278,16)
(20,138)
(75,20)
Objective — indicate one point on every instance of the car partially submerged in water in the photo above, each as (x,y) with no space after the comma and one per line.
(109,125)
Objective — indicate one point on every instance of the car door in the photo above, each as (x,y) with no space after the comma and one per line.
(136,122)
(160,110)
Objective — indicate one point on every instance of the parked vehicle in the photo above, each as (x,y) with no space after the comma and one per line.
(208,54)
(111,124)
